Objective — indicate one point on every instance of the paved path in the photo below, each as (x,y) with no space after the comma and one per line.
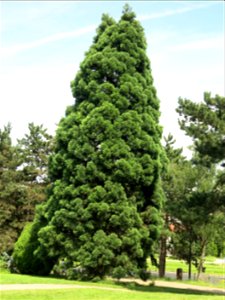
(180,285)
(10,287)
(204,276)
(190,287)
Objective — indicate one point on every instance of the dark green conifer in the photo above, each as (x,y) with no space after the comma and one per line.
(23,173)
(204,122)
(12,193)
(103,208)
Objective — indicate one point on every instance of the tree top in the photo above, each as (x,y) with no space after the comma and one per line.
(127,13)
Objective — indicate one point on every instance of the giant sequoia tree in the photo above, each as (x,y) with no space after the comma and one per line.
(103,208)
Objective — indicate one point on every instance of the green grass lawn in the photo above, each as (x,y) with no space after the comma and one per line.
(129,291)
(121,291)
(125,293)
(8,278)
(211,267)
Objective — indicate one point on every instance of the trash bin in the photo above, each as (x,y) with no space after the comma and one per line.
(179,274)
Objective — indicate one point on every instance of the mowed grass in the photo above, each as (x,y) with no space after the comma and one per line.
(8,278)
(101,290)
(212,268)
(125,293)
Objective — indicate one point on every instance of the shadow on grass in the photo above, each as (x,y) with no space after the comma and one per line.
(157,289)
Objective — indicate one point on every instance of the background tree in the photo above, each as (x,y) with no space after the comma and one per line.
(12,193)
(195,231)
(205,123)
(188,188)
(33,152)
(175,159)
(216,247)
(103,208)
(23,173)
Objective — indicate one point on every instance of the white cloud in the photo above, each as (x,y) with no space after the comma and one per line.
(170,12)
(6,51)
(203,44)
(38,94)
(18,13)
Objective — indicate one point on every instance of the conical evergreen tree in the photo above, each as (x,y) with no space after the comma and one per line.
(103,209)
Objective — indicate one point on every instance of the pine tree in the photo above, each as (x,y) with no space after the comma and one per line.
(205,123)
(33,152)
(12,193)
(103,208)
(23,180)
(174,157)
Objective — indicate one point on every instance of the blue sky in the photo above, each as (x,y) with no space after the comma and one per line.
(43,42)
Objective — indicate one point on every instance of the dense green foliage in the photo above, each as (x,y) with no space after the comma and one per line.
(173,156)
(12,194)
(189,206)
(23,171)
(25,259)
(205,123)
(102,213)
(34,151)
(192,211)
(203,207)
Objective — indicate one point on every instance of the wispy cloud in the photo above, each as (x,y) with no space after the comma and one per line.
(171,12)
(202,44)
(7,51)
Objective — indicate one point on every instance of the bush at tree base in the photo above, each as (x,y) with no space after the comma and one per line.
(25,260)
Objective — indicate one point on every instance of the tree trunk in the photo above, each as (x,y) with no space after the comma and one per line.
(202,258)
(189,269)
(189,260)
(163,248)
(162,256)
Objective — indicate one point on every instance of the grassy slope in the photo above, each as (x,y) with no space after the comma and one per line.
(134,293)
(7,278)
(131,291)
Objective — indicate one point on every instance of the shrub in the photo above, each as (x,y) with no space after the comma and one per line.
(25,258)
